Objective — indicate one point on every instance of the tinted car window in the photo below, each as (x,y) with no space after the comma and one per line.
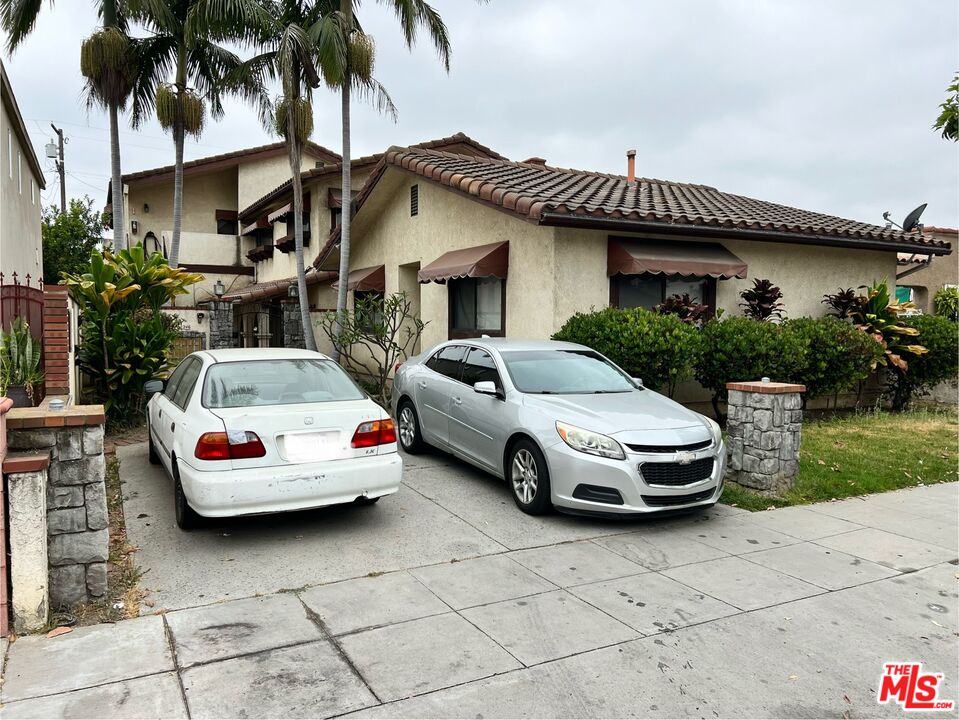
(447,361)
(479,366)
(187,381)
(175,377)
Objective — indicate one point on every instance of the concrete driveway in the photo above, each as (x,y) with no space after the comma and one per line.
(481,611)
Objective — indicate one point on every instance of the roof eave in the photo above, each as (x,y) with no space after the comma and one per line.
(553,219)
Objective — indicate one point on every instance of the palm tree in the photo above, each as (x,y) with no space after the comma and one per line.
(108,64)
(412,15)
(299,45)
(183,44)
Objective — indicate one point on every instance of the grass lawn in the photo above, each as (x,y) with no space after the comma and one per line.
(866,453)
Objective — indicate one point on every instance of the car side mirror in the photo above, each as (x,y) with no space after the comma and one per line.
(638,382)
(486,387)
(152,387)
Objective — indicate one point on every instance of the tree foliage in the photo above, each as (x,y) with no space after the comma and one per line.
(68,238)
(946,302)
(940,337)
(948,121)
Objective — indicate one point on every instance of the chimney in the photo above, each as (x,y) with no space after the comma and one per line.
(535,161)
(631,166)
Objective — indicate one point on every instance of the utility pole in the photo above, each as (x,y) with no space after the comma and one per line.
(62,169)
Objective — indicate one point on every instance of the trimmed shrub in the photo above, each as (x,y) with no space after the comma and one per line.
(946,301)
(660,349)
(940,336)
(738,349)
(834,356)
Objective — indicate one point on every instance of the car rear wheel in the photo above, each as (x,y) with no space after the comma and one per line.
(186,517)
(411,440)
(528,478)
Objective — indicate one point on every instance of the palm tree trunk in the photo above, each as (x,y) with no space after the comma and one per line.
(116,183)
(177,194)
(302,296)
(346,7)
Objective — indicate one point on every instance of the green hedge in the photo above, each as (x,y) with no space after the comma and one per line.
(660,349)
(940,336)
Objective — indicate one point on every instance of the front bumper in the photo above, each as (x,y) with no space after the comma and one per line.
(570,469)
(225,493)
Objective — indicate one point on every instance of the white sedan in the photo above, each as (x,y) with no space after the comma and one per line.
(252,431)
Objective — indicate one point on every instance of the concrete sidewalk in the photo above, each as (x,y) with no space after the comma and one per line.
(785,613)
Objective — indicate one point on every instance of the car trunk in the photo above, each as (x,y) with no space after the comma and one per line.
(304,432)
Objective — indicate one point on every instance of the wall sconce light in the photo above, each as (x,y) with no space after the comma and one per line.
(200,316)
(292,291)
(134,227)
(219,288)
(146,207)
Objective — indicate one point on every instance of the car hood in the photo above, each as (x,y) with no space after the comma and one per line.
(640,416)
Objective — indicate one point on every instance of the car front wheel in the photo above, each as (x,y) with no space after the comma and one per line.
(529,478)
(411,439)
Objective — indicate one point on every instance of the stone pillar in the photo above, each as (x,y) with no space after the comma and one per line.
(763,433)
(221,325)
(26,479)
(292,326)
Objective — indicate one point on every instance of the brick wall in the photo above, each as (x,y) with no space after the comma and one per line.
(56,341)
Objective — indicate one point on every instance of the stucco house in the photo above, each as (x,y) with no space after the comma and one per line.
(212,241)
(21,180)
(488,245)
(921,274)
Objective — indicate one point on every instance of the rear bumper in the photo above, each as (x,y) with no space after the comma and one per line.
(569,469)
(225,493)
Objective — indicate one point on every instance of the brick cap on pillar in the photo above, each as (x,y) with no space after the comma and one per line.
(25,462)
(767,388)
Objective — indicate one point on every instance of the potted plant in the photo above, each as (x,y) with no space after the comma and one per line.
(20,372)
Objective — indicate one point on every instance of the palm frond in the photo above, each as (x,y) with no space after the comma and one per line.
(18,18)
(416,14)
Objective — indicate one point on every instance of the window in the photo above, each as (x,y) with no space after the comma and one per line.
(227,222)
(335,214)
(277,382)
(479,367)
(477,306)
(20,172)
(33,191)
(10,153)
(448,361)
(647,291)
(414,200)
(175,377)
(184,388)
(564,372)
(368,308)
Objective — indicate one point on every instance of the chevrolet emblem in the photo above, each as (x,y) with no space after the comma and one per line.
(684,458)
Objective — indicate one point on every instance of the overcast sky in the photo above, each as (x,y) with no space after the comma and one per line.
(819,104)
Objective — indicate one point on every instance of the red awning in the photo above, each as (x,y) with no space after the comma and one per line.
(686,259)
(480,261)
(371,278)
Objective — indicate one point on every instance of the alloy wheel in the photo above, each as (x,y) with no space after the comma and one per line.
(407,427)
(524,476)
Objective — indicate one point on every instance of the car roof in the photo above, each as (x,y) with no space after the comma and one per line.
(501,344)
(238,354)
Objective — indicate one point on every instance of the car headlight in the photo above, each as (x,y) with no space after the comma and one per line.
(715,431)
(590,442)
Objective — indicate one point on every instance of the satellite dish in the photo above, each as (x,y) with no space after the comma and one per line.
(912,219)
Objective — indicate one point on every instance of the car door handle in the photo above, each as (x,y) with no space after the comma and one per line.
(422,384)
(172,427)
(457,401)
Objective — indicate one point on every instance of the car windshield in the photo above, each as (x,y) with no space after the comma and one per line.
(277,382)
(557,372)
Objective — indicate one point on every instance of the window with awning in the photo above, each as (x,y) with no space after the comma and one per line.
(477,289)
(365,279)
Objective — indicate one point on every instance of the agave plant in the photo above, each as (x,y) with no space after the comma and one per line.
(843,303)
(762,301)
(877,314)
(20,356)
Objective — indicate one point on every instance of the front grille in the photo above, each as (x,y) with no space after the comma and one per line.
(598,493)
(670,473)
(668,500)
(669,448)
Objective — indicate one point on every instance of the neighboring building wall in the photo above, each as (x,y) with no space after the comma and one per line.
(20,241)
(259,177)
(943,270)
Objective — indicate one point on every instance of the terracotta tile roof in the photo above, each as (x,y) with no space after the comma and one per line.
(557,196)
(453,142)
(226,158)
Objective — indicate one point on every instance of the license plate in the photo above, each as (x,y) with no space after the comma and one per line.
(307,447)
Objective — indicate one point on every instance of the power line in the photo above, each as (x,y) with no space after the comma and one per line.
(84,182)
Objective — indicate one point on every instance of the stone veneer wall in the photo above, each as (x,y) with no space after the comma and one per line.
(764,425)
(292,325)
(77,520)
(221,325)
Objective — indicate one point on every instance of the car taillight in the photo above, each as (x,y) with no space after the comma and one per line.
(234,445)
(397,367)
(374,432)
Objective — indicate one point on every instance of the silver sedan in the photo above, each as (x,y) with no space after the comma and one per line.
(562,424)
